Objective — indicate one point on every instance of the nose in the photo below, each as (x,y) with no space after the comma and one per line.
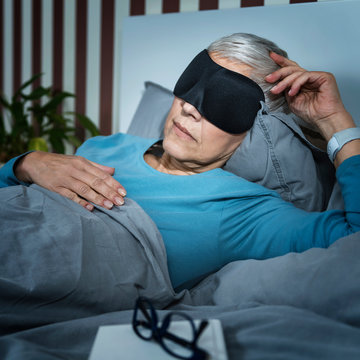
(191,110)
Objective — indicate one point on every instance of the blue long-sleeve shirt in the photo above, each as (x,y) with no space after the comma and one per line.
(213,218)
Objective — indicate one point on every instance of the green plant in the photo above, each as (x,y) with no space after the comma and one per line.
(34,123)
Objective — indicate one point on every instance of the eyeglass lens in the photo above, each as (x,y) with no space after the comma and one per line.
(180,344)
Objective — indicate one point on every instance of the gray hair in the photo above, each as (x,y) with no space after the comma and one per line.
(253,50)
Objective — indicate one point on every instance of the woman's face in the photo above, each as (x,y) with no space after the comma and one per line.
(191,139)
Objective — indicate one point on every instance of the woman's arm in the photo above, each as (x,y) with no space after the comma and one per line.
(314,97)
(74,177)
(261,227)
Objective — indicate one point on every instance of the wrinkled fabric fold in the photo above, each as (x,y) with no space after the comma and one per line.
(65,271)
(59,261)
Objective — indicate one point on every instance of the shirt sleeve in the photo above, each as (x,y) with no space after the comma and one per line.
(266,226)
(7,175)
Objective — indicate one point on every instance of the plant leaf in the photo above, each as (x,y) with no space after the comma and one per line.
(87,124)
(38,144)
(26,84)
(65,130)
(19,121)
(37,93)
(4,102)
(56,120)
(2,131)
(56,100)
(73,140)
(56,138)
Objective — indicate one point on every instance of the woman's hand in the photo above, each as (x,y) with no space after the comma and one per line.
(312,95)
(74,177)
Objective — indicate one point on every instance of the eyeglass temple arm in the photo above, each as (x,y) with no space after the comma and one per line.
(176,339)
(199,354)
(145,313)
(184,342)
(202,327)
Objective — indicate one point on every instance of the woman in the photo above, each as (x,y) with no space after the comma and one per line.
(207,216)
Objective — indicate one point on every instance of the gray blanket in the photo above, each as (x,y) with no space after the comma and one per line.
(65,271)
(59,261)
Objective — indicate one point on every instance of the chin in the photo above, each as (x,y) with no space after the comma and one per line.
(177,149)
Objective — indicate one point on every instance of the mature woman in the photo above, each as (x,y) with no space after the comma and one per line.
(207,216)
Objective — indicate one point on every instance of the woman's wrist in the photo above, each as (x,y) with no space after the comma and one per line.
(335,123)
(21,168)
(350,149)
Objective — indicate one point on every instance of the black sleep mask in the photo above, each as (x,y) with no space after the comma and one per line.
(227,99)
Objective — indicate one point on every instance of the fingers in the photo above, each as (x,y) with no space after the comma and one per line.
(98,171)
(289,71)
(311,95)
(72,196)
(298,82)
(287,82)
(78,179)
(105,168)
(282,73)
(97,189)
(281,60)
(302,80)
(319,82)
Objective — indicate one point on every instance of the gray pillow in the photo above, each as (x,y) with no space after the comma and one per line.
(275,152)
(151,113)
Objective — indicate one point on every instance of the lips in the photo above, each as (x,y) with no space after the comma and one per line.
(183,130)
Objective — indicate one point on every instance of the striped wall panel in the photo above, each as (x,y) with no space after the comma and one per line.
(77,44)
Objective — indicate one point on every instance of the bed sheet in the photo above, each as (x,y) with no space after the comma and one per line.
(58,288)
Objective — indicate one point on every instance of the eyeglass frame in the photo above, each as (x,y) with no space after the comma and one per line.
(158,333)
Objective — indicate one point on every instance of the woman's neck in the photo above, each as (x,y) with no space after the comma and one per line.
(169,165)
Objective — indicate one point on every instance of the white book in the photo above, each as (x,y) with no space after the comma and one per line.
(114,342)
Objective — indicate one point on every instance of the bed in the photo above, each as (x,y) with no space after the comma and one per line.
(75,271)
(83,270)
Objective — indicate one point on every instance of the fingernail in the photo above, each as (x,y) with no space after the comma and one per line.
(122,192)
(89,207)
(108,204)
(119,201)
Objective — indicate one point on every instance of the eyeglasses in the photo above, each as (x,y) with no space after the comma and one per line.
(145,325)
